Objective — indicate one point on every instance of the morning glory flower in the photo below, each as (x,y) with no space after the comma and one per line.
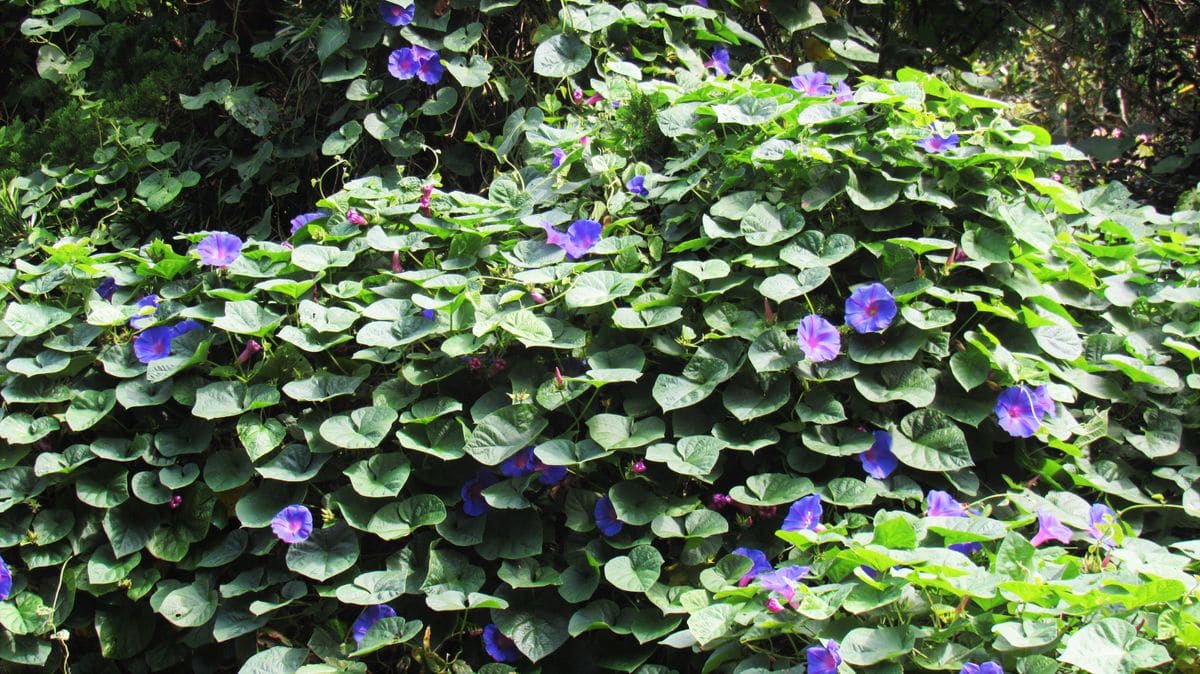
(637,185)
(774,606)
(519,464)
(812,84)
(1100,515)
(548,474)
(370,616)
(843,93)
(416,61)
(719,61)
(819,340)
(557,155)
(395,15)
(581,237)
(153,343)
(145,312)
(761,565)
(252,347)
(1043,404)
(984,668)
(429,314)
(355,218)
(1017,411)
(293,524)
(823,659)
(606,517)
(6,580)
(967,549)
(782,581)
(936,143)
(942,504)
(870,308)
(472,492)
(804,514)
(1050,528)
(107,288)
(219,249)
(500,647)
(879,461)
(304,218)
(185,326)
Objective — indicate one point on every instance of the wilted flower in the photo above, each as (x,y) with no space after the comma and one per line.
(577,96)
(396,15)
(760,564)
(416,61)
(252,347)
(1100,515)
(805,514)
(942,504)
(500,647)
(823,659)
(370,616)
(1018,412)
(879,461)
(606,517)
(6,580)
(107,288)
(637,467)
(870,308)
(1050,528)
(396,266)
(720,501)
(145,312)
(219,249)
(175,502)
(293,524)
(474,363)
(355,218)
(472,492)
(812,84)
(426,198)
(819,340)
(967,549)
(984,668)
(719,61)
(637,185)
(581,237)
(153,343)
(304,218)
(593,99)
(843,93)
(936,143)
(557,155)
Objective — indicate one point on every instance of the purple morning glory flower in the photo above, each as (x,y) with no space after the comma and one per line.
(107,288)
(429,314)
(557,155)
(1050,528)
(548,474)
(984,668)
(370,616)
(153,343)
(581,237)
(1043,404)
(1100,515)
(967,549)
(606,517)
(942,504)
(303,219)
(936,143)
(823,659)
(519,464)
(761,565)
(870,308)
(782,581)
(293,524)
(416,61)
(843,93)
(719,61)
(500,647)
(1017,411)
(812,84)
(702,3)
(637,185)
(879,461)
(6,580)
(472,492)
(219,249)
(805,514)
(819,340)
(185,326)
(395,15)
(145,312)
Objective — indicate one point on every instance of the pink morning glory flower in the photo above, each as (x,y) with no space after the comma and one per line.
(819,340)
(870,308)
(1050,528)
(760,564)
(355,218)
(293,524)
(942,504)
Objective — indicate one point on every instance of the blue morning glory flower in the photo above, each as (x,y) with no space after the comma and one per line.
(548,474)
(879,461)
(1050,529)
(782,581)
(416,61)
(870,308)
(761,564)
(819,340)
(805,514)
(1043,404)
(557,155)
(429,314)
(606,517)
(637,185)
(1100,515)
(984,668)
(145,312)
(304,218)
(293,524)
(719,61)
(500,647)
(967,549)
(153,343)
(6,580)
(942,504)
(581,237)
(1017,411)
(519,464)
(472,492)
(370,616)
(107,288)
(812,84)
(185,326)
(823,659)
(219,249)
(935,143)
(395,15)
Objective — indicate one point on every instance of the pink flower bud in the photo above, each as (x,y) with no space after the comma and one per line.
(583,140)
(638,467)
(537,297)
(594,99)
(774,606)
(288,245)
(1056,177)
(396,266)
(355,218)
(577,96)
(474,363)
(1116,133)
(252,347)
(1143,138)
(720,501)
(176,501)
(558,378)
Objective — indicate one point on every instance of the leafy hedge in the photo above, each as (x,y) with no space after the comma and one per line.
(697,496)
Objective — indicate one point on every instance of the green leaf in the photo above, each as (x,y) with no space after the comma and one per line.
(970,368)
(635,504)
(537,633)
(325,554)
(594,288)
(1059,341)
(897,381)
(190,605)
(1112,646)
(381,476)
(561,56)
(930,440)
(248,318)
(31,320)
(334,34)
(364,428)
(694,455)
(637,572)
(321,386)
(869,645)
(259,437)
(769,489)
(397,520)
(314,258)
(275,660)
(231,398)
(22,429)
(472,74)
(504,432)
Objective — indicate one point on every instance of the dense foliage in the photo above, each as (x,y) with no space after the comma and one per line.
(721,368)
